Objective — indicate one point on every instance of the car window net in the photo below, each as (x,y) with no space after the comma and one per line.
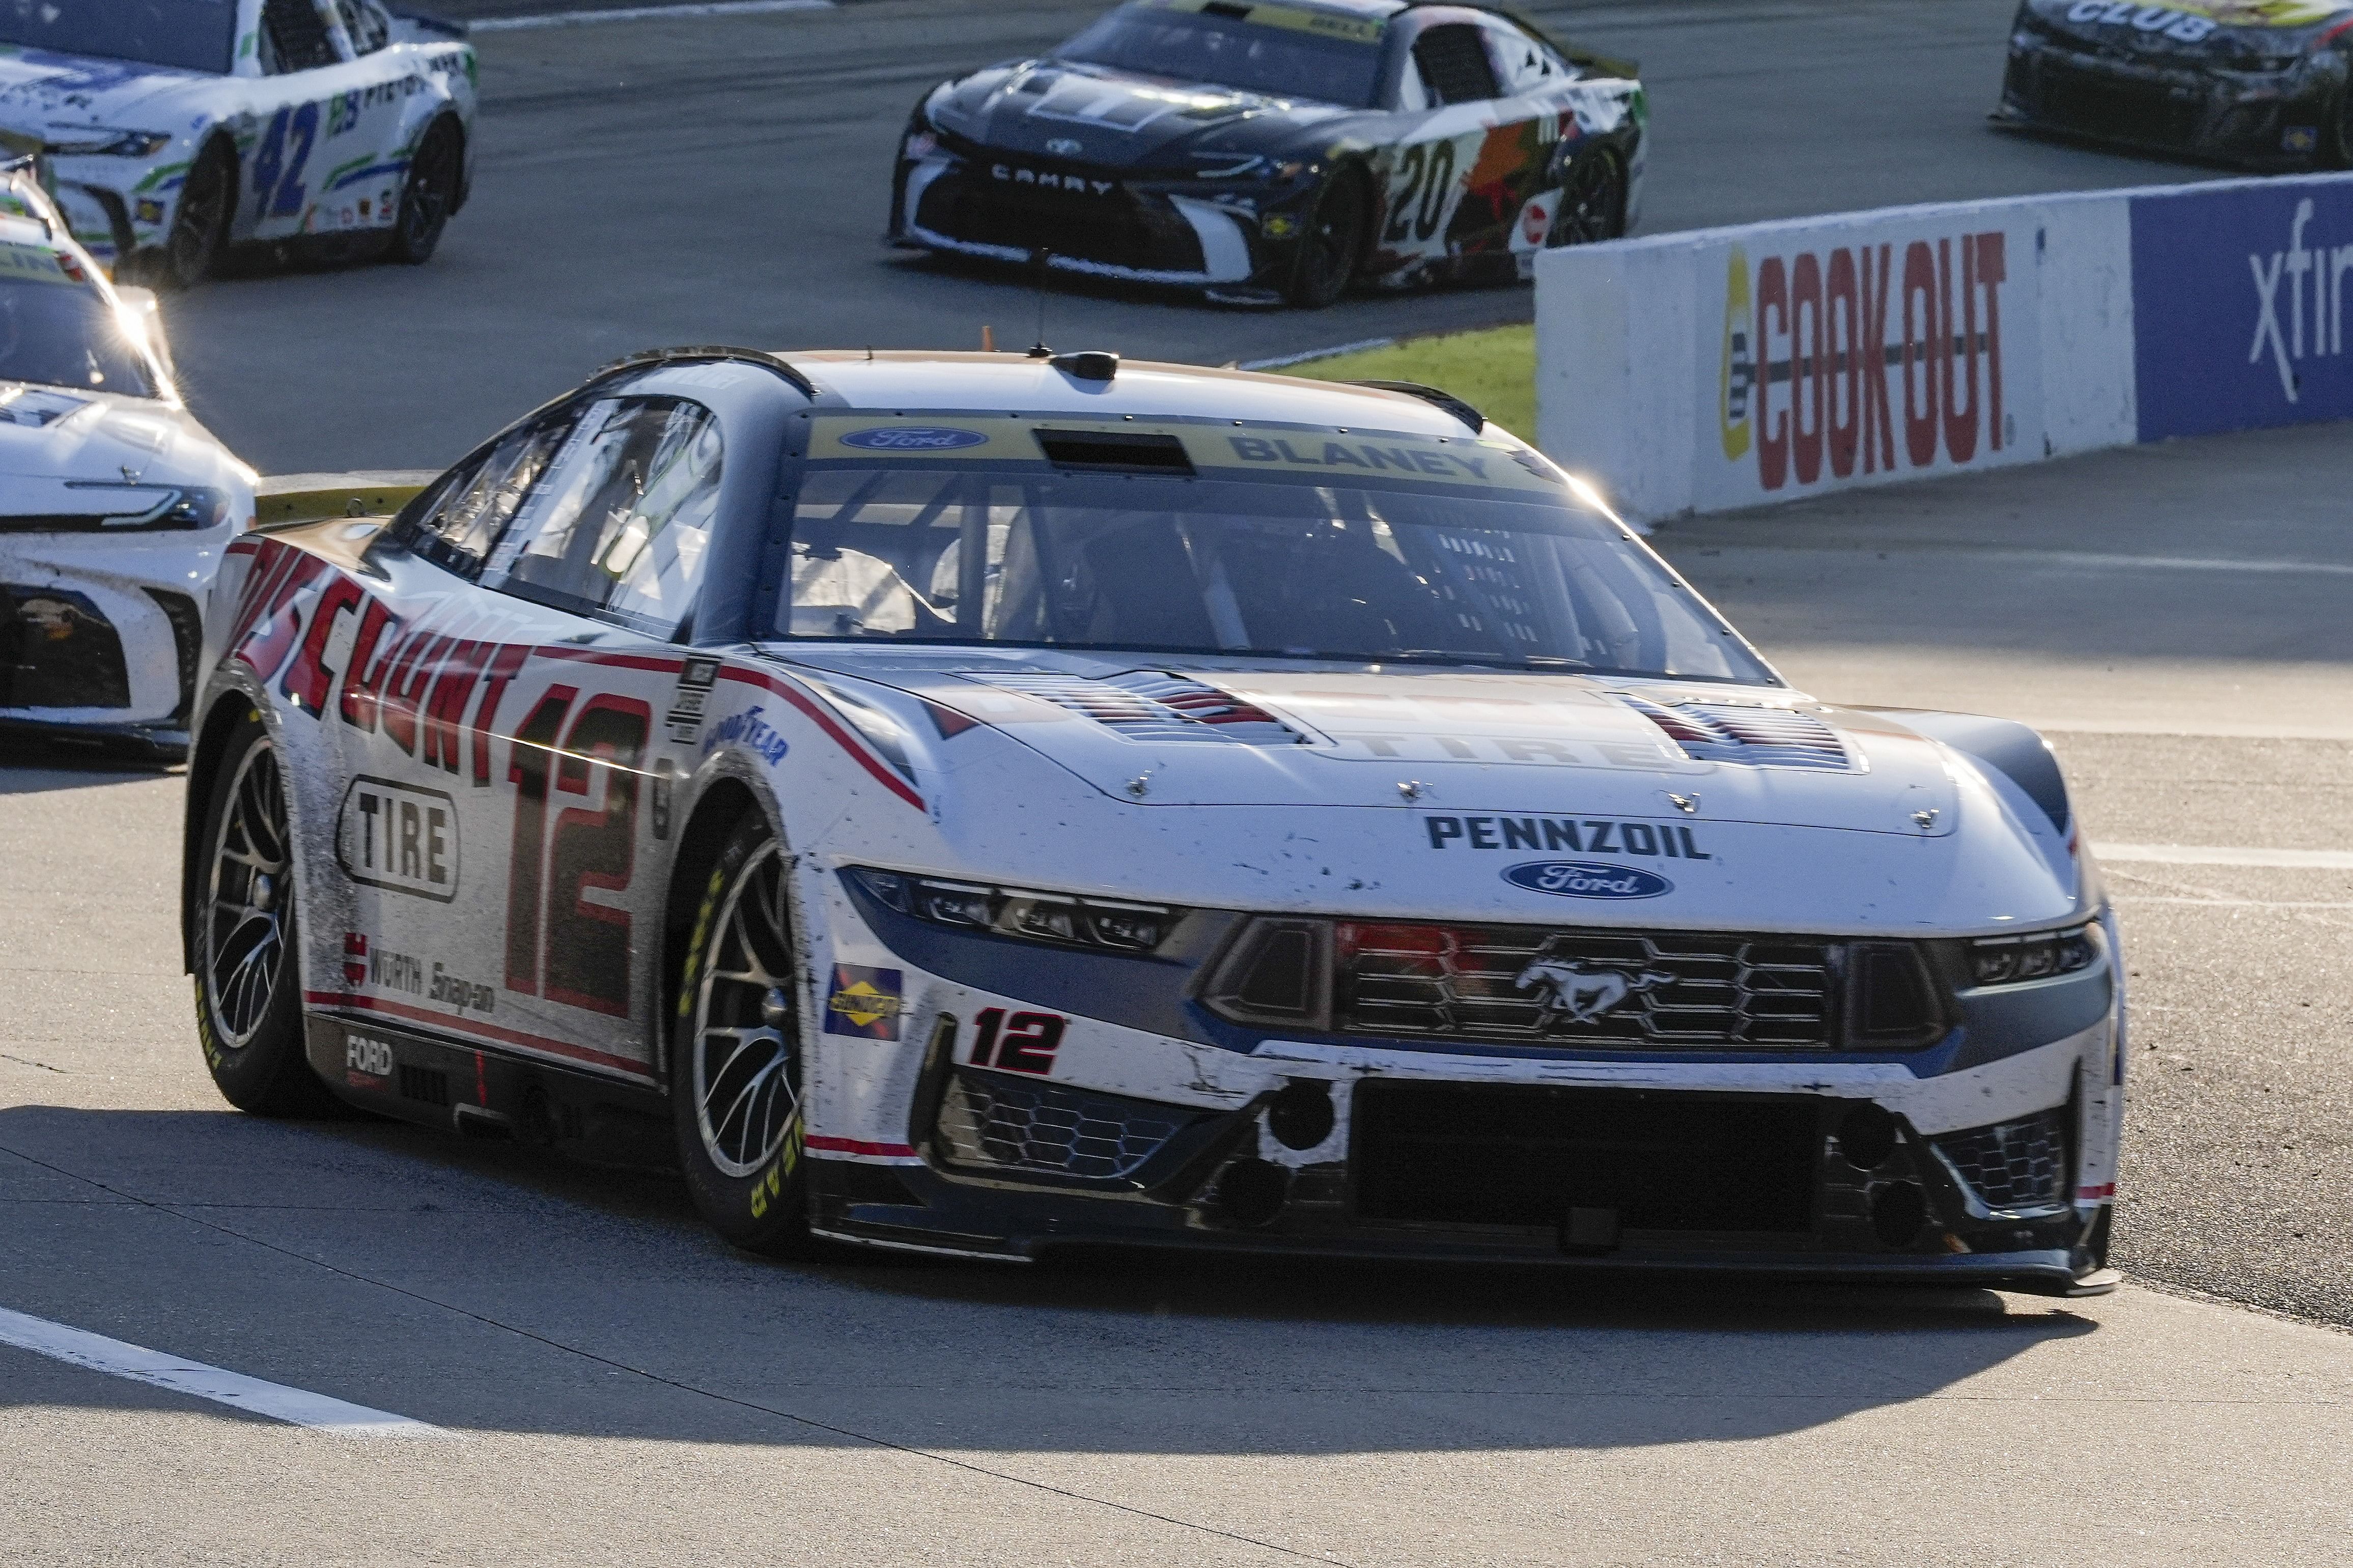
(62,333)
(1266,49)
(1211,566)
(617,524)
(185,34)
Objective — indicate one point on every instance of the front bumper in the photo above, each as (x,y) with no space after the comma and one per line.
(1091,1133)
(1096,224)
(2255,120)
(101,638)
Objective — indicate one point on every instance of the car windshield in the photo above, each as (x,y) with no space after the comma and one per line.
(1284,51)
(185,34)
(59,332)
(1290,567)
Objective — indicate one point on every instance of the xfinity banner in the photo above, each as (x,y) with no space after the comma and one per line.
(1728,367)
(2240,292)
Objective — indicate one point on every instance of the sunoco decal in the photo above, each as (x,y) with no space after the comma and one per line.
(864,1004)
(1587,880)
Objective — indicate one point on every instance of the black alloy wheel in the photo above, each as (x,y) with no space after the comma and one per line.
(249,977)
(200,227)
(2339,153)
(1333,243)
(1592,201)
(431,193)
(735,1064)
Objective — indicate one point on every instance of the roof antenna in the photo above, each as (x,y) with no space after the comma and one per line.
(1040,261)
(869,353)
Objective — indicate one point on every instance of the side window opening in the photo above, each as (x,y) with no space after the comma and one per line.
(364,24)
(618,523)
(459,522)
(294,38)
(1454,63)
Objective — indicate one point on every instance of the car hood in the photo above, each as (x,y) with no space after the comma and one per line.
(1114,119)
(1282,785)
(50,437)
(40,90)
(1192,732)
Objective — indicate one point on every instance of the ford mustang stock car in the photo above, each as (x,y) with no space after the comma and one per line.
(183,129)
(982,804)
(2259,83)
(115,504)
(1271,153)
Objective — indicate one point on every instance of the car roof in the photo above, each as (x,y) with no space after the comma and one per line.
(999,383)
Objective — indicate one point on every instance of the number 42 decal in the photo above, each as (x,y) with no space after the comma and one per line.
(277,188)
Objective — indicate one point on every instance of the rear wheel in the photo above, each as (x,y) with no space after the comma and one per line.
(431,193)
(735,1065)
(200,226)
(1592,201)
(1332,245)
(2338,148)
(249,1000)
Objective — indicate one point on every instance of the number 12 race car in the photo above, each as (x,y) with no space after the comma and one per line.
(978,803)
(1263,153)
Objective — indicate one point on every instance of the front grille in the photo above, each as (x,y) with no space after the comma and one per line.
(1632,989)
(1113,229)
(2013,1165)
(57,649)
(2103,105)
(1527,1154)
(993,1120)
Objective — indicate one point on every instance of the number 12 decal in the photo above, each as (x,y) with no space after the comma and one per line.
(586,946)
(1025,1043)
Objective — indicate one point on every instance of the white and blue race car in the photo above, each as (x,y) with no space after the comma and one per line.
(115,504)
(980,805)
(182,129)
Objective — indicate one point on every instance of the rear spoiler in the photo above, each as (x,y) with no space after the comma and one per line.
(288,501)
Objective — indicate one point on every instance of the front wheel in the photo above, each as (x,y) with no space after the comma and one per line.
(735,1074)
(1592,201)
(199,231)
(431,193)
(249,1000)
(1332,245)
(2337,137)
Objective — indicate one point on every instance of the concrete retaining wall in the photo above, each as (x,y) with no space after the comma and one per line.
(1727,367)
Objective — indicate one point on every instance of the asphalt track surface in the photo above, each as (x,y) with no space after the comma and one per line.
(611,1385)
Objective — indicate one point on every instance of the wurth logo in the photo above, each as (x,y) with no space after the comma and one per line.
(1835,362)
(2283,283)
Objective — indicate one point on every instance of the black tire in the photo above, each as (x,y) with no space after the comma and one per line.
(430,195)
(2336,139)
(1331,247)
(735,1057)
(248,979)
(1592,201)
(191,250)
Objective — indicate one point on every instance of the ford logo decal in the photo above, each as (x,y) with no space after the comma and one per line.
(1587,880)
(911,438)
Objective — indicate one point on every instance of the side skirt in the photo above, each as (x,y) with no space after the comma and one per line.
(484,1092)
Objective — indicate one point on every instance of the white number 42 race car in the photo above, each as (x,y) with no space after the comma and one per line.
(979,805)
(178,129)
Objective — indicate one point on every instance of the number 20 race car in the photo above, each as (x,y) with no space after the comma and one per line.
(1263,153)
(980,803)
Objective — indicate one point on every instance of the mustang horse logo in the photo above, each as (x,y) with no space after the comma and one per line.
(1581,996)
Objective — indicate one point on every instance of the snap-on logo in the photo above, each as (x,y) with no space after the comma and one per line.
(911,438)
(1587,880)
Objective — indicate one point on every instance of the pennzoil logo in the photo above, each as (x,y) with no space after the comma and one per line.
(865,1004)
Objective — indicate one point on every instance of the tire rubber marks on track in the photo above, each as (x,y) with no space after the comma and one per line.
(117,1358)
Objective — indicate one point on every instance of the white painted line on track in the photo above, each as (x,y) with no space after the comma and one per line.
(2204,730)
(643,13)
(2230,903)
(2222,855)
(2164,563)
(1360,346)
(296,1406)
